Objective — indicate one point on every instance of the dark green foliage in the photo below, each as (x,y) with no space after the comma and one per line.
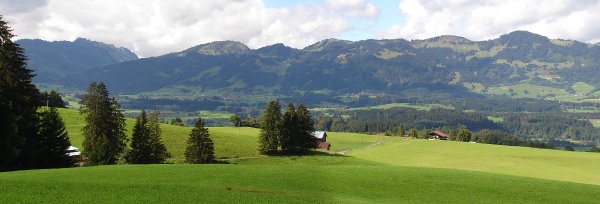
(289,132)
(158,153)
(463,135)
(140,145)
(306,128)
(200,148)
(235,120)
(19,100)
(251,122)
(270,128)
(146,144)
(177,121)
(594,149)
(413,133)
(53,141)
(52,99)
(104,132)
(569,148)
(487,136)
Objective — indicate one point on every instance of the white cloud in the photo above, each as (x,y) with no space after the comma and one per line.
(154,27)
(479,20)
(354,8)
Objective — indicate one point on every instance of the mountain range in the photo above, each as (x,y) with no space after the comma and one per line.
(446,64)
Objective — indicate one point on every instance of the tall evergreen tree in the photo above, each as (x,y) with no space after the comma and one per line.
(53,142)
(19,100)
(159,153)
(289,138)
(200,148)
(140,142)
(270,128)
(306,128)
(104,132)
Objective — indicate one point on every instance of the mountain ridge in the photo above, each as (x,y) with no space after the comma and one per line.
(449,64)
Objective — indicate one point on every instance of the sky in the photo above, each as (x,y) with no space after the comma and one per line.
(157,27)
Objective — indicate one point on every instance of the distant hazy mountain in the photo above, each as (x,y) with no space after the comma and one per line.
(57,61)
(447,64)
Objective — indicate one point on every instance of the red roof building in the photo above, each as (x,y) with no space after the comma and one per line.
(438,135)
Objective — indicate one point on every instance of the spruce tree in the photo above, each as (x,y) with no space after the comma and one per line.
(289,138)
(140,142)
(19,100)
(104,132)
(159,153)
(53,142)
(200,147)
(306,128)
(270,128)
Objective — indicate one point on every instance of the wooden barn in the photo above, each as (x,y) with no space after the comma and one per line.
(438,135)
(321,137)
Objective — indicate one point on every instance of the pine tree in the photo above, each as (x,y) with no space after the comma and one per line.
(306,128)
(270,128)
(140,147)
(19,100)
(104,132)
(289,138)
(159,153)
(53,142)
(200,147)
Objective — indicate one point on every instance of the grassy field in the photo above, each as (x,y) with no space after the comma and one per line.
(579,167)
(372,169)
(343,182)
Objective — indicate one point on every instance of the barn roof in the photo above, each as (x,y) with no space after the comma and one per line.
(439,133)
(319,134)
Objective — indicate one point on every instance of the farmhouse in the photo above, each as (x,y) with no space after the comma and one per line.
(321,137)
(438,135)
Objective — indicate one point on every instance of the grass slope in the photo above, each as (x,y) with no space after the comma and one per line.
(305,183)
(377,169)
(230,142)
(580,167)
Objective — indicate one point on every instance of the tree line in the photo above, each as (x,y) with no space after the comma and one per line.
(105,141)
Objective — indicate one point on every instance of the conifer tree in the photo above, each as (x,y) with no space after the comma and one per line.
(140,147)
(200,148)
(19,100)
(53,142)
(306,128)
(270,128)
(159,153)
(289,138)
(104,132)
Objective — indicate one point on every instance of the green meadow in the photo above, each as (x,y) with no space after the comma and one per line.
(359,169)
